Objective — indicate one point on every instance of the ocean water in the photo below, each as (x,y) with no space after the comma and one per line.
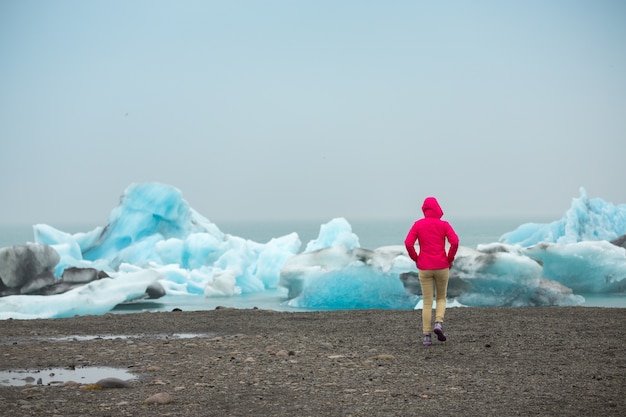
(372,234)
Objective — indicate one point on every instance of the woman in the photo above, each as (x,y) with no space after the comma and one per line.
(433,263)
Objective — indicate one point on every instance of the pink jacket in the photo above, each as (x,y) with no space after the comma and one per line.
(431,233)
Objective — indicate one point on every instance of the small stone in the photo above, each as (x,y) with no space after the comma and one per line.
(113,383)
(159,382)
(90,387)
(386,357)
(160,398)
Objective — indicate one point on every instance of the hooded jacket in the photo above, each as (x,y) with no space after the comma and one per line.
(431,233)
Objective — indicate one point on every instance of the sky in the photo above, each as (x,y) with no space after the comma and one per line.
(287,110)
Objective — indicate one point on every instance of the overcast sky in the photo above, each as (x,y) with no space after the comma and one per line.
(266,110)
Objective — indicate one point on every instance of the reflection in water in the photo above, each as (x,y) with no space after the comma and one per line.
(128,336)
(59,376)
(86,337)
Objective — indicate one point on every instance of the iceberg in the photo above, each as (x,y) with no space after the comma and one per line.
(587,219)
(96,298)
(155,245)
(501,275)
(585,267)
(337,277)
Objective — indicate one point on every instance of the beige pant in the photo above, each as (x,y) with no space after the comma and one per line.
(429,279)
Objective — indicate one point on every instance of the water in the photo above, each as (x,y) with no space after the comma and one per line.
(272,299)
(372,234)
(59,376)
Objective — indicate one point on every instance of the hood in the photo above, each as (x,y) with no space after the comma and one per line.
(431,208)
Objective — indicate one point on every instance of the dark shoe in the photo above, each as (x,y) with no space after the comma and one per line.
(426,341)
(439,332)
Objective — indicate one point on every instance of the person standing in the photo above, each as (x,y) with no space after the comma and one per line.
(433,263)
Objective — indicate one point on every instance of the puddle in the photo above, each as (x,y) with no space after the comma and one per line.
(59,376)
(16,340)
(129,336)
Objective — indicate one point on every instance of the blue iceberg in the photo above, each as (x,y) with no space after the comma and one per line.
(587,219)
(155,244)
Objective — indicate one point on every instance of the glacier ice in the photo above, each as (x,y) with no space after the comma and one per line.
(500,275)
(337,277)
(97,297)
(585,267)
(587,219)
(154,239)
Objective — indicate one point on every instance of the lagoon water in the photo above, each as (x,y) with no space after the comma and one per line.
(371,233)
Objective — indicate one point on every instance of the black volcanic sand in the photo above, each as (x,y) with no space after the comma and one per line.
(497,362)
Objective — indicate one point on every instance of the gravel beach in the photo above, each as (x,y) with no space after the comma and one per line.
(225,362)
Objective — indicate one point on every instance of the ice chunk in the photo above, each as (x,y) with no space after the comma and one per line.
(587,219)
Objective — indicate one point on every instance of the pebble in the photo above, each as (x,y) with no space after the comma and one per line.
(159,398)
(113,383)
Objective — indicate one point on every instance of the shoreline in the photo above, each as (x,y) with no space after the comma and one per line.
(240,362)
